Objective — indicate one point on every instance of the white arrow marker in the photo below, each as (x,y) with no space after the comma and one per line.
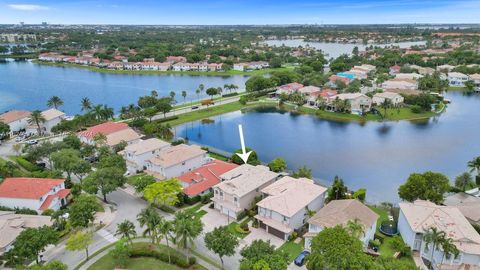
(244,155)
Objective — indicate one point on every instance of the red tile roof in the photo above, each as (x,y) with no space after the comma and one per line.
(205,177)
(63,193)
(291,86)
(334,78)
(27,188)
(46,204)
(328,93)
(105,128)
(13,115)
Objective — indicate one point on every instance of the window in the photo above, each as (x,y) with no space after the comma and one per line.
(183,163)
(256,189)
(235,199)
(221,193)
(426,248)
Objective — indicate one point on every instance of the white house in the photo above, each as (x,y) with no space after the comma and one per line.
(286,205)
(400,84)
(395,99)
(52,118)
(416,218)
(359,103)
(176,160)
(340,212)
(476,79)
(468,204)
(37,194)
(137,154)
(445,67)
(457,79)
(16,120)
(239,187)
(11,225)
(408,76)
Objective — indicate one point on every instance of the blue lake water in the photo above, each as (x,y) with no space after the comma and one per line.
(377,156)
(25,85)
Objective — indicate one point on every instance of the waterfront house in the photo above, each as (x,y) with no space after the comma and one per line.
(468,204)
(52,118)
(340,212)
(359,103)
(239,187)
(176,160)
(11,225)
(395,99)
(422,70)
(332,80)
(37,194)
(16,120)
(476,79)
(286,205)
(137,154)
(113,131)
(416,218)
(288,88)
(201,180)
(457,79)
(326,94)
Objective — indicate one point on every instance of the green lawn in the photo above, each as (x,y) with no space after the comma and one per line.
(395,114)
(232,228)
(209,112)
(132,179)
(292,249)
(107,263)
(196,208)
(140,263)
(217,156)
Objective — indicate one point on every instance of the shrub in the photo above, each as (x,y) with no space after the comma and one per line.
(192,261)
(27,165)
(416,109)
(166,119)
(292,236)
(230,94)
(138,123)
(25,211)
(211,206)
(374,243)
(166,209)
(244,226)
(239,229)
(380,237)
(149,251)
(48,212)
(206,198)
(241,215)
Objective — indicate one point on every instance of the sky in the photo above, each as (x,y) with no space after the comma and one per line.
(232,12)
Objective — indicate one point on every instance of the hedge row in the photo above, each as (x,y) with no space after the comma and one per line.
(176,257)
(27,165)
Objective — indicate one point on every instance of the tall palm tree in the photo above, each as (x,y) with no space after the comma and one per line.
(97,112)
(355,227)
(165,229)
(198,94)
(154,93)
(463,181)
(386,104)
(107,112)
(86,104)
(172,96)
(54,102)
(474,165)
(186,228)
(184,95)
(433,236)
(201,87)
(36,118)
(228,87)
(449,249)
(149,218)
(126,229)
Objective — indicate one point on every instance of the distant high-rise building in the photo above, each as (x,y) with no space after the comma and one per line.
(22,23)
(44,23)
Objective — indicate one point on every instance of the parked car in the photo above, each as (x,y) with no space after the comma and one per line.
(32,142)
(18,139)
(194,107)
(300,259)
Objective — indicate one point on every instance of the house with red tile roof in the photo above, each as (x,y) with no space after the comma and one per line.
(115,133)
(288,88)
(201,180)
(38,194)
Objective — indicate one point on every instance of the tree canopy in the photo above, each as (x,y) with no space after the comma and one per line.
(425,186)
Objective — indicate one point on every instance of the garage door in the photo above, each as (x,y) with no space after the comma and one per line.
(263,226)
(276,232)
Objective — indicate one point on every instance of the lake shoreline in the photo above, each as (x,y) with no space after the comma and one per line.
(169,72)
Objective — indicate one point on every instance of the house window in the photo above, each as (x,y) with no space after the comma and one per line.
(221,193)
(256,189)
(183,163)
(216,191)
(235,199)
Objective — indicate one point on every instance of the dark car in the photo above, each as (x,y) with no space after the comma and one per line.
(300,259)
(194,107)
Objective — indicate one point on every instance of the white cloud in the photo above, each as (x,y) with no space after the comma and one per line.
(27,7)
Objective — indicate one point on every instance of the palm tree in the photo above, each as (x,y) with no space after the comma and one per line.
(36,118)
(463,181)
(85,104)
(127,230)
(165,229)
(233,87)
(386,104)
(55,102)
(184,95)
(186,228)
(201,87)
(355,228)
(433,236)
(228,87)
(97,112)
(149,218)
(107,112)
(154,93)
(198,94)
(172,96)
(449,249)
(474,165)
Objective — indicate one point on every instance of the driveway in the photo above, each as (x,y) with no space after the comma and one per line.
(213,219)
(261,234)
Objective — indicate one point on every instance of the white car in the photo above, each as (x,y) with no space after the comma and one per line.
(32,142)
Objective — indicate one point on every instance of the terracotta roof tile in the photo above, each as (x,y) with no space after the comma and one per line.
(27,188)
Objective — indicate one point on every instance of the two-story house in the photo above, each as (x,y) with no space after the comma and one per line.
(417,218)
(457,79)
(38,194)
(340,212)
(114,133)
(176,160)
(16,120)
(52,118)
(239,187)
(137,154)
(286,205)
